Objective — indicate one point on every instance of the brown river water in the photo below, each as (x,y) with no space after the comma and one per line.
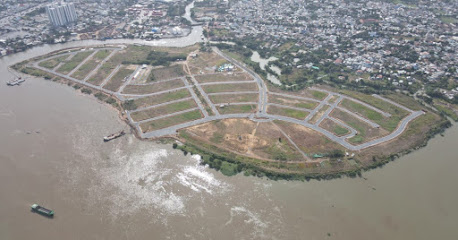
(52,153)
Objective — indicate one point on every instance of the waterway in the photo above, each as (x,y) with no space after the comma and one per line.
(52,153)
(263,63)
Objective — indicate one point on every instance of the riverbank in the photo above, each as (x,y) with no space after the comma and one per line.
(310,149)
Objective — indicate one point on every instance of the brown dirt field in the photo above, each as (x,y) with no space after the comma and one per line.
(273,147)
(292,102)
(230,87)
(308,140)
(234,98)
(245,137)
(164,73)
(223,77)
(153,88)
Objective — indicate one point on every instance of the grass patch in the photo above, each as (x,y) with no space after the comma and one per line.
(229,109)
(319,95)
(340,131)
(292,113)
(230,87)
(73,62)
(163,110)
(160,98)
(118,79)
(52,63)
(221,77)
(234,98)
(292,102)
(153,88)
(362,110)
(170,121)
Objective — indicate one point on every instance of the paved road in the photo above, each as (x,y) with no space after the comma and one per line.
(260,116)
(372,124)
(262,104)
(194,96)
(100,64)
(82,63)
(202,92)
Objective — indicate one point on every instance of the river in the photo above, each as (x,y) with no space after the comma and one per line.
(52,153)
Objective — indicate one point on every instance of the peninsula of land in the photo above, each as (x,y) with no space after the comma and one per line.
(238,121)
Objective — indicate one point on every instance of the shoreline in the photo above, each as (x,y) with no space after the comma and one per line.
(247,168)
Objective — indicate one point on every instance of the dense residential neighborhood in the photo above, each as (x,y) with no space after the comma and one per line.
(379,44)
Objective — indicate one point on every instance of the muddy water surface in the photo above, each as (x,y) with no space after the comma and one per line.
(52,153)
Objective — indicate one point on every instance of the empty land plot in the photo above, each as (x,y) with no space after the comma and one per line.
(292,113)
(292,102)
(223,77)
(388,123)
(91,64)
(215,88)
(319,114)
(53,62)
(130,54)
(170,121)
(242,108)
(308,93)
(153,88)
(308,140)
(365,132)
(102,73)
(272,144)
(163,110)
(234,98)
(161,98)
(73,62)
(206,62)
(377,103)
(164,73)
(334,127)
(119,78)
(361,110)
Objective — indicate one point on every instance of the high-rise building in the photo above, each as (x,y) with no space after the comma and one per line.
(61,14)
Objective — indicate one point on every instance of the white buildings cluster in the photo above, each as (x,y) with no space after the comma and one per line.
(61,14)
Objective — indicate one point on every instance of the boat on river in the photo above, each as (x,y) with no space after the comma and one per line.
(42,210)
(113,136)
(16,82)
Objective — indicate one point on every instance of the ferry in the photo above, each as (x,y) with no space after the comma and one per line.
(41,210)
(15,82)
(113,136)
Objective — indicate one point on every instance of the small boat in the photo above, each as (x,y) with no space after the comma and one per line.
(41,210)
(113,136)
(15,82)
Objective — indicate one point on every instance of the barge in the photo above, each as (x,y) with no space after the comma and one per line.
(113,136)
(15,82)
(41,210)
